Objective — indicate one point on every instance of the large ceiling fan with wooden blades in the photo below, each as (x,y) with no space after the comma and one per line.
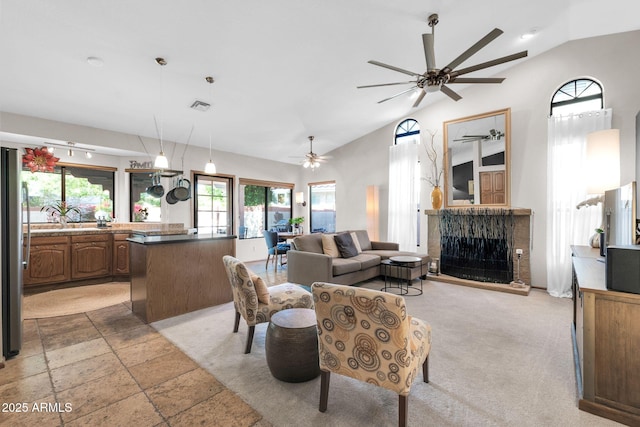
(435,79)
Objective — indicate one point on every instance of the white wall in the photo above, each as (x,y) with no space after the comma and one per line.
(612,60)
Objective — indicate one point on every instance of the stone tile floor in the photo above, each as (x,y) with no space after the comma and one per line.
(108,368)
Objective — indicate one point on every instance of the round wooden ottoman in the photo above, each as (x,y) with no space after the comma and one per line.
(291,345)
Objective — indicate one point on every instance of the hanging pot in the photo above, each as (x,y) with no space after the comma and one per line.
(171,198)
(156,189)
(181,192)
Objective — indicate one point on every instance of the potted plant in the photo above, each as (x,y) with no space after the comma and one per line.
(296,222)
(60,210)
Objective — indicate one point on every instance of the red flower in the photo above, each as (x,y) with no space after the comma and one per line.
(39,159)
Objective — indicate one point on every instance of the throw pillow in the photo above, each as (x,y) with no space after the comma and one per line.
(261,288)
(329,246)
(356,242)
(345,244)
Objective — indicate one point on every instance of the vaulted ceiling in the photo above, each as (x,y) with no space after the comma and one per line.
(283,69)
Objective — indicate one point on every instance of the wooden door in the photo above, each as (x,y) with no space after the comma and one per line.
(492,188)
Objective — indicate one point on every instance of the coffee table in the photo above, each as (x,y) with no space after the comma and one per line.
(399,267)
(291,345)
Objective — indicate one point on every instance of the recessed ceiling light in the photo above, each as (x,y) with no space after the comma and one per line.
(95,61)
(529,34)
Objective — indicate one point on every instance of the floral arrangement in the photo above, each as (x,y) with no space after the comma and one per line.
(39,159)
(60,210)
(140,213)
(432,154)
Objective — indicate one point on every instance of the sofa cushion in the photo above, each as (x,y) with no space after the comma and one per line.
(345,265)
(309,243)
(345,244)
(356,243)
(329,246)
(367,260)
(363,239)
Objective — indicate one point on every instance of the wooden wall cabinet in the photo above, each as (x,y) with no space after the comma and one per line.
(120,254)
(91,256)
(49,262)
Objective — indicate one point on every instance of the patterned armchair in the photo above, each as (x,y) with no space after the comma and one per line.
(368,335)
(255,302)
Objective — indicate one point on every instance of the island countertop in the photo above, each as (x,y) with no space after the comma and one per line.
(178,238)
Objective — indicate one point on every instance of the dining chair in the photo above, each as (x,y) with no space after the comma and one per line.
(274,248)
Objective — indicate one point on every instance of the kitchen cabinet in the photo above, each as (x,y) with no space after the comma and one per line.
(49,261)
(120,254)
(91,256)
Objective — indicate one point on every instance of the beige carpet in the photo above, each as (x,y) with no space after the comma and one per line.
(80,299)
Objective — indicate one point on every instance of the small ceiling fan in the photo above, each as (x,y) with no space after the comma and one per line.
(435,79)
(311,159)
(493,135)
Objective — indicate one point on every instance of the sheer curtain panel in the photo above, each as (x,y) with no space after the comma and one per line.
(566,187)
(403,195)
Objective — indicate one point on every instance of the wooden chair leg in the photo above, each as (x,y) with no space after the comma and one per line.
(325,376)
(266,264)
(249,339)
(403,411)
(237,322)
(425,370)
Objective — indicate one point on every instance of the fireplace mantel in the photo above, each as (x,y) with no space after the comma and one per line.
(522,240)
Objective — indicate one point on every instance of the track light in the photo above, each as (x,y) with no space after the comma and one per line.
(70,152)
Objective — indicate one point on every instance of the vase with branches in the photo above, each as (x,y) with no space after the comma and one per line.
(436,170)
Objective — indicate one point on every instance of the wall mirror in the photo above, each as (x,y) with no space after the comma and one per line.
(476,161)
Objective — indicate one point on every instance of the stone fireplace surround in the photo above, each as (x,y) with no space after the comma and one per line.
(522,240)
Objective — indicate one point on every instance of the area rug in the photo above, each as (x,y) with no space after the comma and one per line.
(80,299)
(497,359)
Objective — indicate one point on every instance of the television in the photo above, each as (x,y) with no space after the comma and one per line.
(620,215)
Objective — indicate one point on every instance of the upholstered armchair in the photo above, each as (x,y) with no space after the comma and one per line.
(368,335)
(256,302)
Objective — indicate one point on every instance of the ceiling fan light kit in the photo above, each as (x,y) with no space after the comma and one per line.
(435,79)
(313,160)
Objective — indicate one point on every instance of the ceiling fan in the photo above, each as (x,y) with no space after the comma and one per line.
(492,135)
(311,159)
(435,79)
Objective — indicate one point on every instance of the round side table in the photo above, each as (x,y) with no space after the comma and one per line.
(291,345)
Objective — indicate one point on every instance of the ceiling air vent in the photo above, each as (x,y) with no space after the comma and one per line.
(200,105)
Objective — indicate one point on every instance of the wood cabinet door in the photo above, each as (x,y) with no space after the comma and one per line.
(91,256)
(120,254)
(492,187)
(48,263)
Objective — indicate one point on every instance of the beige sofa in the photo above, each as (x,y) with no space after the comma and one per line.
(308,260)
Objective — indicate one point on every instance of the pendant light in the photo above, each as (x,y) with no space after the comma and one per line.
(161,161)
(210,167)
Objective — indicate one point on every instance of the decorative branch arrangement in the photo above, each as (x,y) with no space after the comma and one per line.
(432,154)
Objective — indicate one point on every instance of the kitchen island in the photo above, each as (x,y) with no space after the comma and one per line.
(177,274)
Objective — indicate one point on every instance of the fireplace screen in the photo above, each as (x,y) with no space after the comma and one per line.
(477,244)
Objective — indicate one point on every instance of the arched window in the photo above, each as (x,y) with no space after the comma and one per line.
(577,96)
(407,131)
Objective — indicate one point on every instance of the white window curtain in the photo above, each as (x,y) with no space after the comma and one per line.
(404,188)
(566,187)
